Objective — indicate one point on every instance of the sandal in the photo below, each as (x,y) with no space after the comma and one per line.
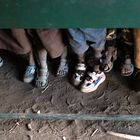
(29,74)
(42,78)
(127,68)
(1,62)
(79,74)
(110,57)
(63,68)
(92,81)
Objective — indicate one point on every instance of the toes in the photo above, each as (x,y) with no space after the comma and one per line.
(58,73)
(123,71)
(61,73)
(62,70)
(126,71)
(40,84)
(37,84)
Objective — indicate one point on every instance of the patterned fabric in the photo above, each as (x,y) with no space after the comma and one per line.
(127,37)
(111,37)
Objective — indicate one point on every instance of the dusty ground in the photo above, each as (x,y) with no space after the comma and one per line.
(113,97)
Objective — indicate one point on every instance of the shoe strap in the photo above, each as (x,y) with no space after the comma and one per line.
(81,66)
(92,75)
(30,69)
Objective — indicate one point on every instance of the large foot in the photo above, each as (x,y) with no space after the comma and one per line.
(63,68)
(29,74)
(42,78)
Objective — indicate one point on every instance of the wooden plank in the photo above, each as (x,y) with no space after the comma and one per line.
(48,116)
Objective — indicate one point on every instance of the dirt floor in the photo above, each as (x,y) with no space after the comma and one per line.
(113,97)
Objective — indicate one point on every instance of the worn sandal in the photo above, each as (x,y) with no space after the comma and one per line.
(29,74)
(79,74)
(42,78)
(63,68)
(110,57)
(92,81)
(127,68)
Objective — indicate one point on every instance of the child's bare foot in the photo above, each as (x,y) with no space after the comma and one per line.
(110,57)
(63,68)
(127,67)
(42,77)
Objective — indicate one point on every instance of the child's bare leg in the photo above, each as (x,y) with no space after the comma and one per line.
(30,70)
(42,75)
(127,66)
(31,58)
(81,58)
(110,50)
(63,66)
(96,62)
